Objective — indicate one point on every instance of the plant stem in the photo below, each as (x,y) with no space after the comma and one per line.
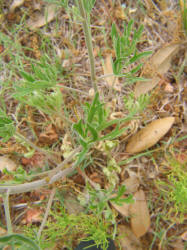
(53,176)
(27,187)
(88,39)
(46,212)
(7,212)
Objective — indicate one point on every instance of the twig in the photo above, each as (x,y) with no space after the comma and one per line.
(26,187)
(7,212)
(88,39)
(62,164)
(46,212)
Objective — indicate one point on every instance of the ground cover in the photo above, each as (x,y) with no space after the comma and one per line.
(93,123)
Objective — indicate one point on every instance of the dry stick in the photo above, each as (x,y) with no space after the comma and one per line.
(46,212)
(7,212)
(26,187)
(88,39)
(62,164)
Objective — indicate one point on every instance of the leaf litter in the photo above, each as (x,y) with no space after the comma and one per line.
(155,68)
(42,19)
(140,217)
(150,135)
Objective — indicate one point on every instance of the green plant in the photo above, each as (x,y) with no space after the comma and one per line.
(91,128)
(126,52)
(174,190)
(18,240)
(7,128)
(183,6)
(136,105)
(68,227)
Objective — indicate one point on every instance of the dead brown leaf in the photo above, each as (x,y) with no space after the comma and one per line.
(15,4)
(119,13)
(127,239)
(150,135)
(33,215)
(37,160)
(7,163)
(132,184)
(42,19)
(140,220)
(158,65)
(1,48)
(112,81)
(49,136)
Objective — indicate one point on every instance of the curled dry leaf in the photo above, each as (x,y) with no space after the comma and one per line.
(132,184)
(32,215)
(7,163)
(127,239)
(150,135)
(112,80)
(15,4)
(140,220)
(49,136)
(158,64)
(43,19)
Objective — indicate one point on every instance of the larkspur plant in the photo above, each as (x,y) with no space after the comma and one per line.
(126,52)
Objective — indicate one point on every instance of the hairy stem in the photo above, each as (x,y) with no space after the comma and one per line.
(54,175)
(7,212)
(27,187)
(88,39)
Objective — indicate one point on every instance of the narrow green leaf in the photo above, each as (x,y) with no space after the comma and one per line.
(83,143)
(18,238)
(88,5)
(115,133)
(82,156)
(93,131)
(79,128)
(93,108)
(136,69)
(139,56)
(129,27)
(27,76)
(138,33)
(7,128)
(114,33)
